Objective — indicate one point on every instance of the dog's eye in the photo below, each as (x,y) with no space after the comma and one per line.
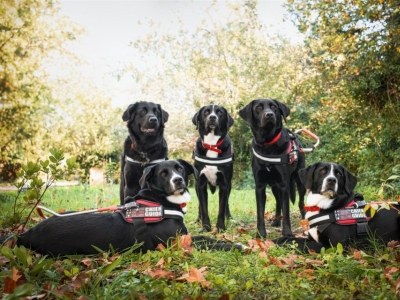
(206,112)
(219,112)
(164,173)
(180,169)
(156,112)
(322,171)
(273,106)
(338,174)
(143,112)
(259,108)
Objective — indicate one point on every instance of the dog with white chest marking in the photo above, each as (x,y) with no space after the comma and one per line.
(337,215)
(213,158)
(154,216)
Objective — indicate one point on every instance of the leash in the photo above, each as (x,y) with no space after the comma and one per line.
(290,156)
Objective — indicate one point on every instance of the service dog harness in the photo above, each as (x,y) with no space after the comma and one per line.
(218,161)
(289,157)
(352,214)
(140,212)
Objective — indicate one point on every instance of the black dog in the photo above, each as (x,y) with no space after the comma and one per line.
(213,158)
(276,160)
(144,146)
(157,215)
(336,214)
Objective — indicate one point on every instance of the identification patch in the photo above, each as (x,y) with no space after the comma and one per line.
(349,214)
(145,212)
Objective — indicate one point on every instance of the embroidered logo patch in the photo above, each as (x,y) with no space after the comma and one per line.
(349,214)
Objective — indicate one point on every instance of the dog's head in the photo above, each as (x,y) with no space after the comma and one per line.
(145,118)
(169,179)
(264,113)
(329,180)
(212,118)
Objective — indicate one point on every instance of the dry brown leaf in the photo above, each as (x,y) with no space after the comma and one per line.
(304,225)
(87,262)
(9,285)
(398,287)
(195,275)
(160,247)
(308,273)
(242,230)
(314,262)
(389,271)
(160,273)
(357,255)
(160,263)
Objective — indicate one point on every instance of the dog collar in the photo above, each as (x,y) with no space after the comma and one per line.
(213,147)
(152,162)
(311,208)
(274,140)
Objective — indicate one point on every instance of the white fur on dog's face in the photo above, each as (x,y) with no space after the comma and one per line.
(330,184)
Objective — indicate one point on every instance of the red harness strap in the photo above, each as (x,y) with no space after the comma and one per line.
(213,147)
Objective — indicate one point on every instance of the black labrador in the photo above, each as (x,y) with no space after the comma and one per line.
(153,217)
(144,146)
(276,160)
(213,158)
(336,214)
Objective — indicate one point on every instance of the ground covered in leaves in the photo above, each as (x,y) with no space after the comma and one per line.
(264,271)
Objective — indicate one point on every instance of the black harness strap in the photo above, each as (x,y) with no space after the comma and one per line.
(218,162)
(143,234)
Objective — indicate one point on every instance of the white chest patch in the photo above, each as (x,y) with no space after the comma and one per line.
(180,199)
(322,202)
(211,171)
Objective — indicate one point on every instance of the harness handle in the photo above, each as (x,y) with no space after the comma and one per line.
(309,133)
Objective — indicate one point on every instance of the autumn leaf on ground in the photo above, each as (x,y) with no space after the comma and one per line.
(140,266)
(314,262)
(304,225)
(389,271)
(86,262)
(398,287)
(159,273)
(196,275)
(160,247)
(357,255)
(307,273)
(184,242)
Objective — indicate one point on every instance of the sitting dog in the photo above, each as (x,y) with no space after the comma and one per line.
(144,146)
(153,217)
(336,214)
(213,158)
(276,160)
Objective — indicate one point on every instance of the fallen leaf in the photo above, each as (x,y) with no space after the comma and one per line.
(398,287)
(160,263)
(357,255)
(195,275)
(159,273)
(389,271)
(87,262)
(160,247)
(308,273)
(304,225)
(9,285)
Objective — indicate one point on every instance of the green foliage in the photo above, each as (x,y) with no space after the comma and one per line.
(34,179)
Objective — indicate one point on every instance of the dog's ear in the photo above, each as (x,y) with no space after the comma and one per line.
(230,120)
(164,115)
(351,181)
(126,116)
(285,111)
(190,169)
(306,176)
(146,176)
(246,113)
(196,118)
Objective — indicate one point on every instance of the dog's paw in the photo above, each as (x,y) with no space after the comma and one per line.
(276,223)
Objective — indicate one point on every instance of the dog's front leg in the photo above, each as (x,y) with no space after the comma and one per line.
(261,198)
(223,206)
(286,226)
(202,195)
(276,191)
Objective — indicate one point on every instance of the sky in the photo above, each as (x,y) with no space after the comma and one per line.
(112,25)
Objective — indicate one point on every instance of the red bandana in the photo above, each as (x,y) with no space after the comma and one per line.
(213,147)
(311,208)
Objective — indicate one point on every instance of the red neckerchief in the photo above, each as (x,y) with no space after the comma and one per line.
(213,147)
(274,140)
(316,208)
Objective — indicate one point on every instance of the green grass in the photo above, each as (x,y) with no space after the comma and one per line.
(280,273)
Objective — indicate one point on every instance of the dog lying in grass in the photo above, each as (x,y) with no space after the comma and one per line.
(154,216)
(336,214)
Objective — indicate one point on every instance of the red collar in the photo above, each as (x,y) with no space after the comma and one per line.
(311,208)
(316,208)
(274,140)
(213,147)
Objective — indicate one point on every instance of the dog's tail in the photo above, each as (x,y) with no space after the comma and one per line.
(292,189)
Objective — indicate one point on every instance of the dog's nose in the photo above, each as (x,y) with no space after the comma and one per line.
(269,114)
(152,119)
(213,117)
(177,180)
(331,180)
